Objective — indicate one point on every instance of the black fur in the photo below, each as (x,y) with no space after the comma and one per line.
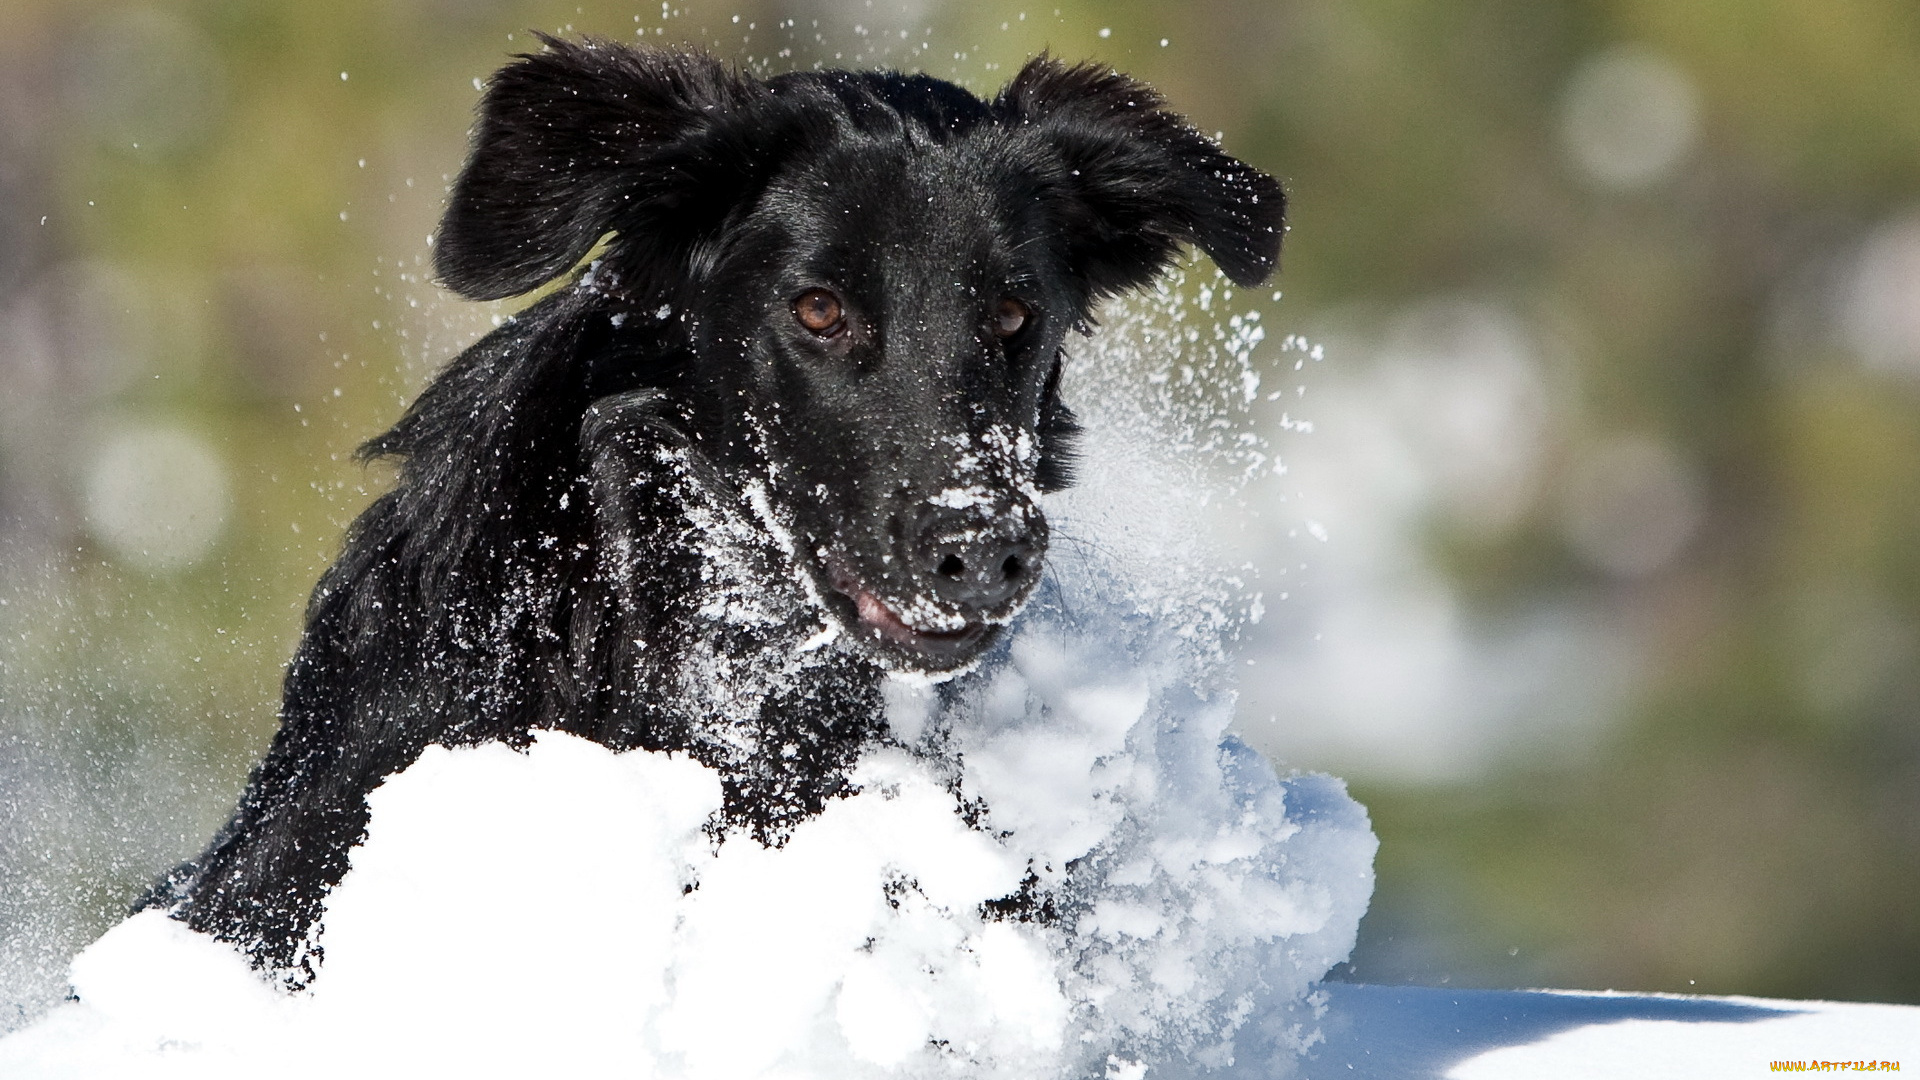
(656,510)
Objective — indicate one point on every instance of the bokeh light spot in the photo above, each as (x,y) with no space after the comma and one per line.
(1629,118)
(158,496)
(1630,506)
(1881,310)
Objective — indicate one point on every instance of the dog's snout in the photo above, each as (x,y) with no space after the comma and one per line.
(980,559)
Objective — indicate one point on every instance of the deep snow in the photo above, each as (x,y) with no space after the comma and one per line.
(564,910)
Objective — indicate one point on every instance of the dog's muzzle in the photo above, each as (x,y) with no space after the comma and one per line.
(967,572)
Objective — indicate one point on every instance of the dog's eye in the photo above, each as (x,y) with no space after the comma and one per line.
(820,312)
(1010,317)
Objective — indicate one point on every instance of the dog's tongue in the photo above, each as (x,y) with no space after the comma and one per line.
(878,615)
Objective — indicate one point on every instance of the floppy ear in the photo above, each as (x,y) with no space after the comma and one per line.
(583,139)
(1133,181)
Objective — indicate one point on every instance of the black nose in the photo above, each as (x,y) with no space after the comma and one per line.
(978,558)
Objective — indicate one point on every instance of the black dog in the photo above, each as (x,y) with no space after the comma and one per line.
(785,435)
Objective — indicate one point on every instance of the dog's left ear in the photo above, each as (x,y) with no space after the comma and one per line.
(1132,181)
(593,137)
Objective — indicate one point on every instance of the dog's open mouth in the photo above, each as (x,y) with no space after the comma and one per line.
(932,639)
(877,615)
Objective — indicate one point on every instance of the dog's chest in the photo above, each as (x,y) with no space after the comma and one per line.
(726,647)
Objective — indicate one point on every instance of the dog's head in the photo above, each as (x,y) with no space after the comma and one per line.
(867,279)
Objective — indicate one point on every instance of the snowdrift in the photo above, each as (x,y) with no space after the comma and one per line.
(1062,865)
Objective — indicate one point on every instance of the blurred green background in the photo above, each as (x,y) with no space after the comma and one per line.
(1600,567)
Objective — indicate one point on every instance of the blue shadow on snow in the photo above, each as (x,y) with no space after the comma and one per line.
(1419,1032)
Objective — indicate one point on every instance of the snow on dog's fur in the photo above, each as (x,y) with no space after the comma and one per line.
(787,434)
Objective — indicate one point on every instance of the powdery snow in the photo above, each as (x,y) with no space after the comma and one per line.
(564,910)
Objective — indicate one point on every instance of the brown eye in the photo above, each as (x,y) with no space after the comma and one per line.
(819,311)
(1010,317)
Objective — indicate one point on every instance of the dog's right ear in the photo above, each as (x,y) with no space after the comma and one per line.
(1130,181)
(584,139)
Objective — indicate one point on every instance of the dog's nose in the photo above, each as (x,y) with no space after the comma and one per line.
(980,559)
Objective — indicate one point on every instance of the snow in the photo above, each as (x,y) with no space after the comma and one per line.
(1403,1033)
(1370,1032)
(566,910)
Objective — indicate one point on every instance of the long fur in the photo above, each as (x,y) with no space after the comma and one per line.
(650,511)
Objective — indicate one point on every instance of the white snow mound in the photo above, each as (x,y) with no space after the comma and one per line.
(563,911)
